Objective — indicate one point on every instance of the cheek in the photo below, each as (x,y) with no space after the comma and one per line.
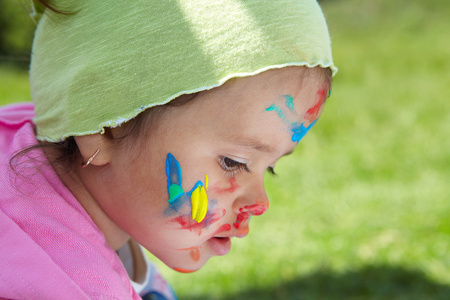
(194,253)
(228,187)
(194,208)
(185,221)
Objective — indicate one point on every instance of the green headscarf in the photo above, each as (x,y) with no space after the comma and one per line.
(104,62)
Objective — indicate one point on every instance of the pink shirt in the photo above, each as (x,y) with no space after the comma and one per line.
(49,246)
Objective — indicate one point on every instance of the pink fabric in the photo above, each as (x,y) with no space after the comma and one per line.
(49,246)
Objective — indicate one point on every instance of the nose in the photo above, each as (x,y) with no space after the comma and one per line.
(256,209)
(253,202)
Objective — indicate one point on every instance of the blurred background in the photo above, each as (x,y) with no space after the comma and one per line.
(361,210)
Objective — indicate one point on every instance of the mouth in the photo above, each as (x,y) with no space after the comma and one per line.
(219,245)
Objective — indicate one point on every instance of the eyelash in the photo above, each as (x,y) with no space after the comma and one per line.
(234,167)
(271,171)
(231,166)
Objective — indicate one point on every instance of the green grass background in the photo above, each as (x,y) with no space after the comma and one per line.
(361,209)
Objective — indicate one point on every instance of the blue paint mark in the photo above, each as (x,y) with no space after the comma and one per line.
(174,178)
(276,109)
(176,205)
(196,185)
(290,102)
(177,197)
(173,171)
(299,131)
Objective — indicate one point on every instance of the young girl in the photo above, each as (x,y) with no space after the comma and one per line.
(152,125)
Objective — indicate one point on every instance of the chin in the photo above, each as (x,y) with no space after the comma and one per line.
(188,267)
(180,270)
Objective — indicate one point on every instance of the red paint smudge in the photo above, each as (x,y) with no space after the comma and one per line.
(233,186)
(186,221)
(223,228)
(195,254)
(184,270)
(321,96)
(255,209)
(243,216)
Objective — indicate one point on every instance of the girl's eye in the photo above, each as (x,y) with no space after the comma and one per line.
(232,166)
(271,171)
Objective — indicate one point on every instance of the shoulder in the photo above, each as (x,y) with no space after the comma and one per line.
(43,257)
(14,115)
(49,246)
(13,118)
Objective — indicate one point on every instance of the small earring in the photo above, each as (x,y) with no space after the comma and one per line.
(84,165)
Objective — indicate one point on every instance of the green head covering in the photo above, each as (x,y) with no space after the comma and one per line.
(107,61)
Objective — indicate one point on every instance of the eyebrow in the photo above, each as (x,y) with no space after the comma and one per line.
(250,143)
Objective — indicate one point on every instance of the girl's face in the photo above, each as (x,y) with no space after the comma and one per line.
(198,178)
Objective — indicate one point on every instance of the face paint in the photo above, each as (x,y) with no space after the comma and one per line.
(199,203)
(255,209)
(299,131)
(198,197)
(278,110)
(241,224)
(243,216)
(186,222)
(290,103)
(184,270)
(174,178)
(194,252)
(223,228)
(321,96)
(219,189)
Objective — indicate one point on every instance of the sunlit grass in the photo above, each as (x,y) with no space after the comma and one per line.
(14,86)
(361,209)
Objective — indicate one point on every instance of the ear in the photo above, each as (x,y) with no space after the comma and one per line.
(88,146)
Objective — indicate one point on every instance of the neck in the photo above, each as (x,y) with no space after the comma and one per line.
(114,235)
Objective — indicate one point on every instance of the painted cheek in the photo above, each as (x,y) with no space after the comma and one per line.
(194,252)
(230,187)
(178,198)
(174,178)
(199,203)
(187,223)
(223,228)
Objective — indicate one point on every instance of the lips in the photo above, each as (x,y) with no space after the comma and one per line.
(219,245)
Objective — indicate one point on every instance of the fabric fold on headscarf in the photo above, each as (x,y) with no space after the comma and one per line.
(103,62)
